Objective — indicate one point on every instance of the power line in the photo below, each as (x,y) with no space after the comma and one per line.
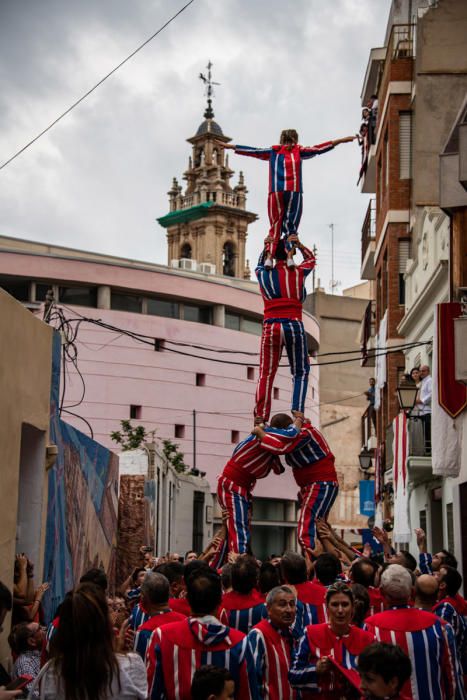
(102,80)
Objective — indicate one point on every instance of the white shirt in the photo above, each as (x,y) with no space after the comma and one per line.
(133,681)
(425,395)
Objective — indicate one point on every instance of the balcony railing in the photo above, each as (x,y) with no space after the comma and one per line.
(368,427)
(401,41)
(369,227)
(419,446)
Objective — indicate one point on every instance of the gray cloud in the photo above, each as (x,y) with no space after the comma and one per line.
(99,179)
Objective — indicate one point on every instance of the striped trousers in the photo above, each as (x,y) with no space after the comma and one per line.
(317,500)
(237,501)
(285,212)
(275,335)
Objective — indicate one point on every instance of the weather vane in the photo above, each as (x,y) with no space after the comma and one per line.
(208,82)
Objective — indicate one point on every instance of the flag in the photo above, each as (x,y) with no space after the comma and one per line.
(401,494)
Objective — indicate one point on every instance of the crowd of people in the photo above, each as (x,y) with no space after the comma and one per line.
(334,623)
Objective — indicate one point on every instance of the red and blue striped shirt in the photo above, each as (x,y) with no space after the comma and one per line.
(243,610)
(283,288)
(285,163)
(272,651)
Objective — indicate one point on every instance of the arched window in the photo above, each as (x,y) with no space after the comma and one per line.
(185,251)
(228,259)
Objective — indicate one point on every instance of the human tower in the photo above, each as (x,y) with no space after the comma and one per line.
(282,285)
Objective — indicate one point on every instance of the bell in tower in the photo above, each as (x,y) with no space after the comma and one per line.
(207,223)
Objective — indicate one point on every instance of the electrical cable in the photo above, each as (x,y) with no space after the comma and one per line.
(98,84)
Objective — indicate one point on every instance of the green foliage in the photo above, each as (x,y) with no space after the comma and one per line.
(129,437)
(173,455)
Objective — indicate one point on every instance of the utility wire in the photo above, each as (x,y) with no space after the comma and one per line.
(102,80)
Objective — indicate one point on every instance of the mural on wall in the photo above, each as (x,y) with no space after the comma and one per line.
(82,503)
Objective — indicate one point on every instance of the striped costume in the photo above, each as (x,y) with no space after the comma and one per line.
(243,610)
(319,641)
(144,632)
(283,291)
(138,617)
(311,605)
(180,605)
(175,651)
(312,462)
(446,610)
(421,636)
(425,567)
(376,600)
(248,463)
(272,651)
(285,199)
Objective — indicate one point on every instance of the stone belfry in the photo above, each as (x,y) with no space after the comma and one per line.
(207,223)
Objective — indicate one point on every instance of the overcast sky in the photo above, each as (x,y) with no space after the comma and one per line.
(99,179)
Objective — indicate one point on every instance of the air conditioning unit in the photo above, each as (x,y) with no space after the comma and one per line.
(207,268)
(187,264)
(175,263)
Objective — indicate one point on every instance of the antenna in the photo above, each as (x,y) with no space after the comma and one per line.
(334,283)
(208,82)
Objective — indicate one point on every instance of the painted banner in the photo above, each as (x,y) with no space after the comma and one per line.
(452,395)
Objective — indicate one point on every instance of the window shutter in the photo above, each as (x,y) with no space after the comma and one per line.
(404,252)
(405,156)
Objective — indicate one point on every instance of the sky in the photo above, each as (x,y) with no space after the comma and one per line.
(99,179)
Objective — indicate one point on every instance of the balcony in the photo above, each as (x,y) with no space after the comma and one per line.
(419,453)
(367,271)
(368,428)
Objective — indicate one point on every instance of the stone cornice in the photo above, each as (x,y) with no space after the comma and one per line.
(424,299)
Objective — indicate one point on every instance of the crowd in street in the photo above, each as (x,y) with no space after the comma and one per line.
(335,623)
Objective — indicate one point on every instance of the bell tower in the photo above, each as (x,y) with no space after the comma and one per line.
(207,223)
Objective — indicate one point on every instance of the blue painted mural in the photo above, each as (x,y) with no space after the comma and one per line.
(82,508)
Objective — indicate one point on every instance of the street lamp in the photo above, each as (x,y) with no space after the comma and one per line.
(407,394)
(365,459)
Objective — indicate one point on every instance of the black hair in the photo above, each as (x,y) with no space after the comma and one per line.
(226,576)
(327,568)
(18,638)
(364,571)
(449,559)
(293,568)
(96,576)
(268,577)
(361,599)
(194,566)
(387,661)
(409,559)
(6,599)
(136,572)
(209,680)
(452,579)
(204,592)
(281,253)
(245,574)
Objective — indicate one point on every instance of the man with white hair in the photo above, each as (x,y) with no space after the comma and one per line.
(417,632)
(272,643)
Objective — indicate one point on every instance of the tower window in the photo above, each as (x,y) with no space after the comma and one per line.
(228,259)
(186,251)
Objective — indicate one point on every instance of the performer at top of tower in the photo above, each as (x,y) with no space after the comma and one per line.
(285,183)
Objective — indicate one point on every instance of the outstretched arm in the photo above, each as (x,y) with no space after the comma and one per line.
(312,151)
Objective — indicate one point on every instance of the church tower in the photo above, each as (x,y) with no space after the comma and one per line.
(207,223)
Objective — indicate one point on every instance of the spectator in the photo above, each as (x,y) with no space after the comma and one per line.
(96,576)
(244,605)
(174,573)
(181,604)
(364,571)
(383,669)
(26,599)
(312,669)
(403,558)
(361,604)
(190,555)
(272,643)
(419,634)
(175,651)
(131,586)
(83,662)
(327,569)
(311,596)
(370,395)
(26,640)
(226,578)
(268,578)
(155,601)
(449,582)
(373,107)
(6,604)
(212,683)
(424,404)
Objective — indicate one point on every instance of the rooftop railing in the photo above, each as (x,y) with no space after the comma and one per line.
(369,226)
